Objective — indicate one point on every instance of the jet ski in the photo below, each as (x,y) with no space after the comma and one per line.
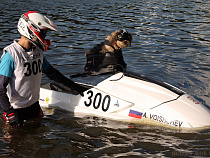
(130,97)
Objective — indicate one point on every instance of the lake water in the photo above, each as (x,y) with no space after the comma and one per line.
(171,40)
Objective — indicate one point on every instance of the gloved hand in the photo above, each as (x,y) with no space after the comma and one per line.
(11,117)
(79,89)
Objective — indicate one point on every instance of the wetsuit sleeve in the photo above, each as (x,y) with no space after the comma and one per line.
(4,100)
(45,65)
(56,76)
(7,67)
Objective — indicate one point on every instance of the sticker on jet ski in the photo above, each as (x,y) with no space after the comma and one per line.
(163,119)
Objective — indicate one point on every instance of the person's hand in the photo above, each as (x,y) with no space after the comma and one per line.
(79,89)
(11,117)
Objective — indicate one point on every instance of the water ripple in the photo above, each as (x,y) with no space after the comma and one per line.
(170,42)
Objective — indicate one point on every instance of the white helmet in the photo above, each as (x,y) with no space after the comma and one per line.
(34,27)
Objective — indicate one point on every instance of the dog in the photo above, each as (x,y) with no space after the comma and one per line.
(107,56)
(113,43)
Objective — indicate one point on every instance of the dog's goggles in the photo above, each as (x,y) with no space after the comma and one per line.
(123,35)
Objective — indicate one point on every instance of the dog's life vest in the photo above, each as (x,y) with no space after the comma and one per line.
(104,62)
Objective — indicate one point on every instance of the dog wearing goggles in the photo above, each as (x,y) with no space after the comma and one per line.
(113,43)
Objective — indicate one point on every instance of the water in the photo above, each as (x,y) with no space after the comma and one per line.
(170,42)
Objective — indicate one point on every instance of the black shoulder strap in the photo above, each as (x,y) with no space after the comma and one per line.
(97,48)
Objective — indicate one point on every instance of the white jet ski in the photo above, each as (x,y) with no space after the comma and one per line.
(132,98)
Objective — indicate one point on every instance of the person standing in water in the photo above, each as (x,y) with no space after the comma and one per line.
(21,67)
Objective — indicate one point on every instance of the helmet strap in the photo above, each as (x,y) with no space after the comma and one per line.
(47,44)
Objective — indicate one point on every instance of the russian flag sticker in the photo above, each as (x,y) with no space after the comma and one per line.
(135,114)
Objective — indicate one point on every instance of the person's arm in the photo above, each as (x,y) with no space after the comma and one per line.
(56,76)
(4,100)
(7,67)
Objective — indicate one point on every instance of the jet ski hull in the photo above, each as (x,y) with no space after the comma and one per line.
(131,98)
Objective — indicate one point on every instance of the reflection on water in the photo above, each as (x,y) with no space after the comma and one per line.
(67,136)
(170,42)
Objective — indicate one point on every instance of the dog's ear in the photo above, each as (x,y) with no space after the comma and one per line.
(113,37)
(115,34)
